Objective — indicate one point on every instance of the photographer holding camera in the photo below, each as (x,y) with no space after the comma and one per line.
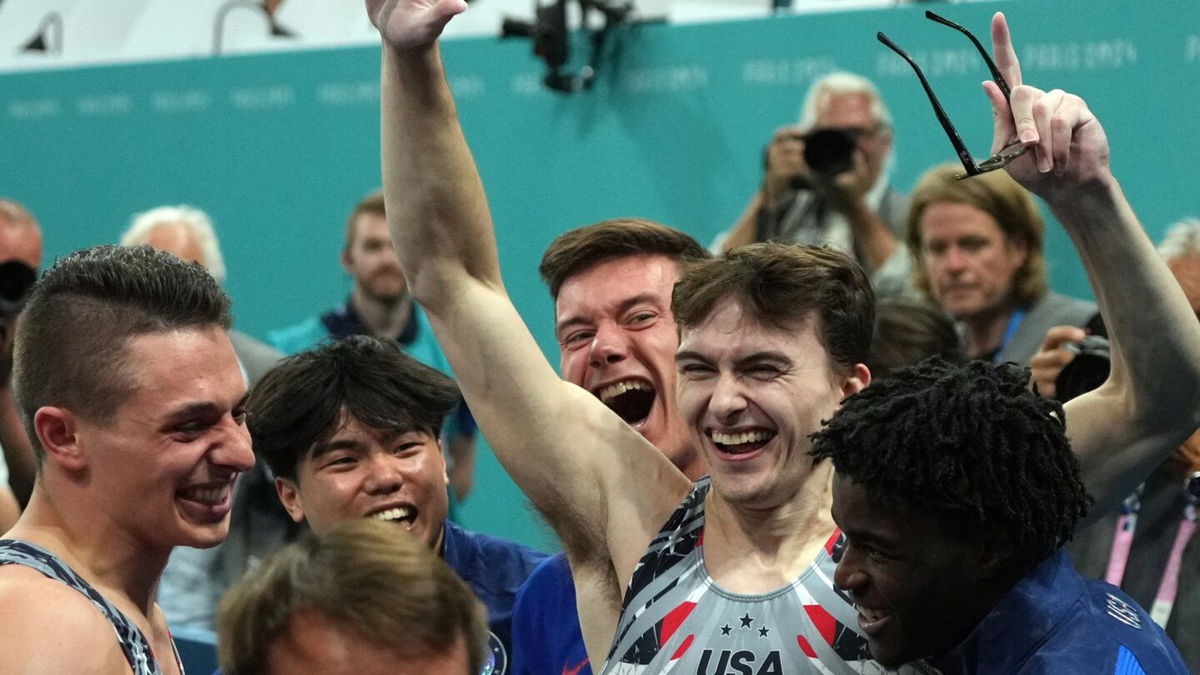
(825,182)
(1155,558)
(20,257)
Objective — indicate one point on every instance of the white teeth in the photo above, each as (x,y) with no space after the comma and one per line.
(872,614)
(392,514)
(619,388)
(740,438)
(208,496)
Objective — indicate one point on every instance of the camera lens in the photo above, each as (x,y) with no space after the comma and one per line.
(829,151)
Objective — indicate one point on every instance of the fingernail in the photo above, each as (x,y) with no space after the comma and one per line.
(1044,163)
(1029,136)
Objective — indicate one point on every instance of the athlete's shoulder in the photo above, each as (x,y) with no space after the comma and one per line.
(47,626)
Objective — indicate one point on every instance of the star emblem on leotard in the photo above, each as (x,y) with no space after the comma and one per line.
(762,632)
(746,620)
(725,629)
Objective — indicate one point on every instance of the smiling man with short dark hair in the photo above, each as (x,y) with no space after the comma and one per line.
(350,430)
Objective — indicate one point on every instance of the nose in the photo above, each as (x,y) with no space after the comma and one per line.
(235,451)
(727,401)
(608,346)
(849,575)
(383,474)
(954,260)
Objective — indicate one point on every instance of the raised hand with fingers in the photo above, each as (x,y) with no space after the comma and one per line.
(1068,148)
(412,24)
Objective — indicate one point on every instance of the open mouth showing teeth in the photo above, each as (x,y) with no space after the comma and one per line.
(206,495)
(741,443)
(396,515)
(631,400)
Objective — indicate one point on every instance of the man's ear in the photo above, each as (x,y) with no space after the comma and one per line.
(857,380)
(58,431)
(289,494)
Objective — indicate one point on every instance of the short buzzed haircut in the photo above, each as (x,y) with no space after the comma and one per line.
(71,339)
(783,285)
(368,578)
(300,401)
(585,247)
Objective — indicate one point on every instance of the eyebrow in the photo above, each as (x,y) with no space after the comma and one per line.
(354,445)
(624,306)
(199,408)
(756,357)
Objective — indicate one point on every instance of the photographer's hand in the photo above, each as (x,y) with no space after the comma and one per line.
(847,192)
(1050,360)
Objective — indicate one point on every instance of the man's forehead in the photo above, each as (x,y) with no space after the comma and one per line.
(846,109)
(183,367)
(615,281)
(20,240)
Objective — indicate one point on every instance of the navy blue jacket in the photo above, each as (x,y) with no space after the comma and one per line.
(1055,622)
(494,568)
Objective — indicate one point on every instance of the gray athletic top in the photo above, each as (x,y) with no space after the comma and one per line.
(133,643)
(676,619)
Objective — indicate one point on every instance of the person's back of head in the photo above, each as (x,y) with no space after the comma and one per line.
(361,594)
(907,332)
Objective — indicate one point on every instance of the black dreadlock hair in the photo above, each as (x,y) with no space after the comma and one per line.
(969,444)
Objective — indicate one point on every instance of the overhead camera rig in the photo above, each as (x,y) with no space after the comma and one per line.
(552,38)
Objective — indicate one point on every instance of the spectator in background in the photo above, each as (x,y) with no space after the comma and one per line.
(350,430)
(978,247)
(1159,565)
(130,388)
(20,242)
(850,204)
(188,233)
(195,578)
(356,598)
(380,305)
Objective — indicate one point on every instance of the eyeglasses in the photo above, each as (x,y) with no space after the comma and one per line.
(1009,152)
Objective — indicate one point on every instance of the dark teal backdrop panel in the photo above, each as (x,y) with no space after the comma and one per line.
(278,147)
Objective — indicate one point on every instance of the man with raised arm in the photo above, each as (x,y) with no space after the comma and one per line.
(737,573)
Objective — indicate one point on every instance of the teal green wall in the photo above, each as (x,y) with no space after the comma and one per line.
(278,147)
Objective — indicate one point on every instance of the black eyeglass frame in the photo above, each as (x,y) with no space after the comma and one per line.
(1009,152)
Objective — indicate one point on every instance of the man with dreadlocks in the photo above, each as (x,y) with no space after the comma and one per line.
(956,488)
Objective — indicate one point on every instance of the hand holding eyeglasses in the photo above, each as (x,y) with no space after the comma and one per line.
(1050,142)
(1068,148)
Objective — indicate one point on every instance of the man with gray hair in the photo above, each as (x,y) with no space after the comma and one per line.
(188,234)
(826,182)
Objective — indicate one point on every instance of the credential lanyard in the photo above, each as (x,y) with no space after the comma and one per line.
(1168,586)
(1014,322)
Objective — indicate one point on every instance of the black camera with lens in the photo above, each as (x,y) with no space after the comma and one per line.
(829,151)
(16,280)
(1087,371)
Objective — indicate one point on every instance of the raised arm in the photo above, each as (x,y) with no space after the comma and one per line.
(1151,400)
(570,454)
